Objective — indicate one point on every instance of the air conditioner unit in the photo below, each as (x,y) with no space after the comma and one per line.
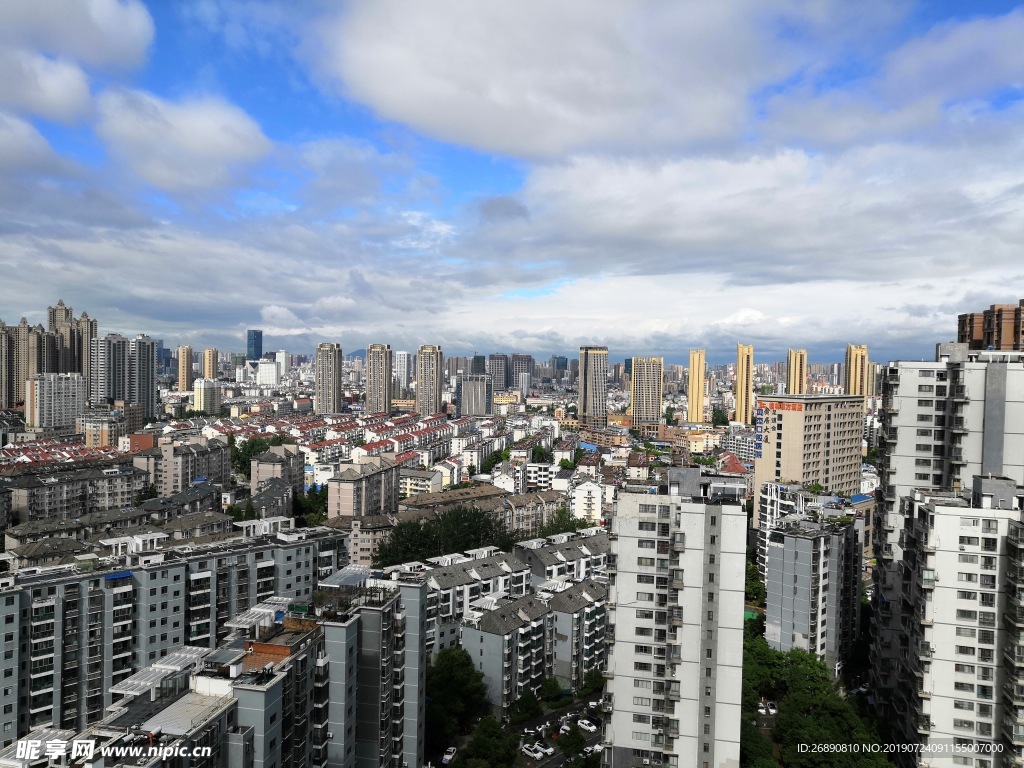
(646,761)
(962,547)
(330,735)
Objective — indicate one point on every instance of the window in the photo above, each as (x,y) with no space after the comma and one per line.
(640,701)
(967,706)
(641,666)
(711,597)
(644,614)
(642,719)
(644,578)
(971,578)
(645,561)
(962,595)
(966,632)
(969,541)
(646,543)
(967,669)
(643,632)
(972,559)
(968,687)
(965,650)
(645,597)
(967,615)
(645,650)
(641,683)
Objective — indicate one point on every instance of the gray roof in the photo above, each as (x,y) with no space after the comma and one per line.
(512,616)
(473,571)
(577,596)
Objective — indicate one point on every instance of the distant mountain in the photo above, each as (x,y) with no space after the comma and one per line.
(358,353)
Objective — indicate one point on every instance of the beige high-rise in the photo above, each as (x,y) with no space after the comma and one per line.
(593,387)
(328,378)
(378,378)
(429,379)
(745,383)
(857,370)
(796,372)
(696,385)
(210,363)
(186,376)
(646,380)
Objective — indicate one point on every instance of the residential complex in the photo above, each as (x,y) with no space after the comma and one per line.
(593,387)
(696,385)
(429,379)
(474,394)
(328,378)
(211,364)
(796,372)
(646,385)
(857,371)
(186,369)
(379,379)
(745,383)
(1000,327)
(54,400)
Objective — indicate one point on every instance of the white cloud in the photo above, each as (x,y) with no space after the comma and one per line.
(23,148)
(51,88)
(185,146)
(95,32)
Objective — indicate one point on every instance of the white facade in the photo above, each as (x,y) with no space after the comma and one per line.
(54,399)
(206,396)
(676,605)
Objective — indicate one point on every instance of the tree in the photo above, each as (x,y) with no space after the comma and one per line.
(719,418)
(454,530)
(573,742)
(147,493)
(670,415)
(593,682)
(490,746)
(241,458)
(565,464)
(455,694)
(756,594)
(563,522)
(550,689)
(540,455)
(472,470)
(526,707)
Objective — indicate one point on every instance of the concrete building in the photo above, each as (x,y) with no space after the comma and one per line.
(379,378)
(475,395)
(103,428)
(54,400)
(500,369)
(646,393)
(813,585)
(676,615)
(1000,327)
(253,344)
(211,364)
(284,462)
(429,379)
(172,467)
(580,628)
(796,372)
(810,439)
(123,369)
(70,495)
(744,391)
(206,396)
(857,381)
(186,369)
(368,488)
(403,371)
(696,387)
(593,387)
(328,378)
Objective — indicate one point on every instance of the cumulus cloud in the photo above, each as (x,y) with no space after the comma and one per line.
(190,145)
(52,88)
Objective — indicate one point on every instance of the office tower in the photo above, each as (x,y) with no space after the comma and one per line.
(267,374)
(206,396)
(946,658)
(281,359)
(1001,326)
(328,378)
(812,577)
(211,364)
(810,439)
(592,408)
(745,383)
(403,371)
(695,387)
(475,395)
(478,365)
(796,372)
(253,344)
(186,370)
(500,370)
(522,364)
(675,669)
(856,370)
(429,379)
(54,400)
(645,402)
(378,378)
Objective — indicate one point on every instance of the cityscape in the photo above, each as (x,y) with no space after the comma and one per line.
(511,385)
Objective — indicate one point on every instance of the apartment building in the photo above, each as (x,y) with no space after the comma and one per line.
(593,388)
(810,439)
(676,623)
(70,495)
(646,380)
(937,662)
(379,378)
(100,429)
(696,386)
(54,400)
(76,632)
(429,379)
(206,396)
(328,375)
(580,626)
(370,487)
(813,589)
(744,388)
(172,467)
(564,557)
(474,394)
(1001,326)
(284,462)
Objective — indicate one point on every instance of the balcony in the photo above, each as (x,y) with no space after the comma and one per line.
(955,454)
(958,424)
(959,394)
(887,552)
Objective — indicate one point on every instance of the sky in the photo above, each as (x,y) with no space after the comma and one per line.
(517,177)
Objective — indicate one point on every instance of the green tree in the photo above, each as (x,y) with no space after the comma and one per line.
(540,455)
(550,689)
(573,742)
(719,418)
(670,415)
(147,493)
(563,522)
(756,594)
(526,707)
(490,746)
(593,682)
(565,464)
(455,694)
(454,530)
(241,457)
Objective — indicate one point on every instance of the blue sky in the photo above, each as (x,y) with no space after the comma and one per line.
(521,176)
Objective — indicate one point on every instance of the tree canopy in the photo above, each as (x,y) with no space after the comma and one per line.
(454,530)
(455,695)
(563,522)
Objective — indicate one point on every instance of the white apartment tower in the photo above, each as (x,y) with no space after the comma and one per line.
(429,379)
(378,378)
(328,378)
(54,400)
(206,396)
(675,669)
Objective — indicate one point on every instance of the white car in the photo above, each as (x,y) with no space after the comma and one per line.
(587,726)
(531,751)
(565,729)
(587,751)
(762,709)
(449,755)
(772,709)
(547,749)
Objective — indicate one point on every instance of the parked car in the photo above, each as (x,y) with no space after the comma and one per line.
(449,755)
(762,708)
(547,749)
(587,726)
(565,728)
(531,751)
(772,709)
(530,732)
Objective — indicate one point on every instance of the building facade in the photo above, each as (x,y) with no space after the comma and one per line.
(253,344)
(796,372)
(695,387)
(429,379)
(475,395)
(379,378)
(211,363)
(328,378)
(592,409)
(54,400)
(186,369)
(646,391)
(744,392)
(857,381)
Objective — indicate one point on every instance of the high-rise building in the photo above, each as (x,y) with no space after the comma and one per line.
(108,370)
(211,364)
(206,396)
(646,384)
(379,378)
(281,359)
(796,372)
(812,577)
(522,364)
(54,400)
(478,365)
(142,387)
(1001,326)
(500,370)
(745,383)
(696,386)
(429,379)
(186,369)
(592,408)
(810,439)
(675,669)
(403,371)
(253,344)
(856,370)
(475,395)
(328,397)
